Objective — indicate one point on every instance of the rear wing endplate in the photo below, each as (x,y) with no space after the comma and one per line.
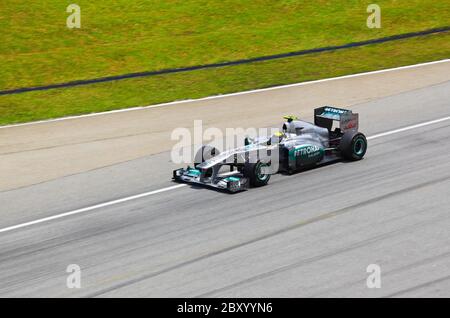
(324,117)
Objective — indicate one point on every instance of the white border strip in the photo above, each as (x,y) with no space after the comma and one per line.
(227,95)
(146,194)
(94,207)
(396,131)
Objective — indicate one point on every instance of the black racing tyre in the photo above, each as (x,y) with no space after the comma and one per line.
(353,145)
(254,173)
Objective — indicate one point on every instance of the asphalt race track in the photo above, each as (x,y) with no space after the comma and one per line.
(311,234)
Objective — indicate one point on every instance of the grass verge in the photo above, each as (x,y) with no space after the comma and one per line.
(123,36)
(144,91)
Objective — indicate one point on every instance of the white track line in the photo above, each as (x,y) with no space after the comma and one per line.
(97,206)
(228,95)
(396,131)
(146,194)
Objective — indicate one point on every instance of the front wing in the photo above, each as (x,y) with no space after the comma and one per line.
(230,182)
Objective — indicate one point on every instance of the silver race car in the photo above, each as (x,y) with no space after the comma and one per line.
(300,145)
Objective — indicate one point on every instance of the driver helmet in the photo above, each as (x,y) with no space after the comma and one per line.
(280,135)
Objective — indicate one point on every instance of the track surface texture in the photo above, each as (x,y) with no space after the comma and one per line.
(311,234)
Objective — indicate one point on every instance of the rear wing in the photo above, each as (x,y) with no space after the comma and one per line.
(324,117)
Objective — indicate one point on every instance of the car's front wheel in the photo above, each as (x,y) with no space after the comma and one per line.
(255,173)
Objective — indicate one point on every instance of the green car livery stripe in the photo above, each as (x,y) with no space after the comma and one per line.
(193,172)
(305,152)
(232,179)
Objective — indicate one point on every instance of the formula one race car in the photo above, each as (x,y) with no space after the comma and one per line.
(298,146)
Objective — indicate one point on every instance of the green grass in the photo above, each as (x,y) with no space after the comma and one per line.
(144,91)
(125,36)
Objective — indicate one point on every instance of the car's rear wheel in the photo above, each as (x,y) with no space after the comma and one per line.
(255,173)
(353,145)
